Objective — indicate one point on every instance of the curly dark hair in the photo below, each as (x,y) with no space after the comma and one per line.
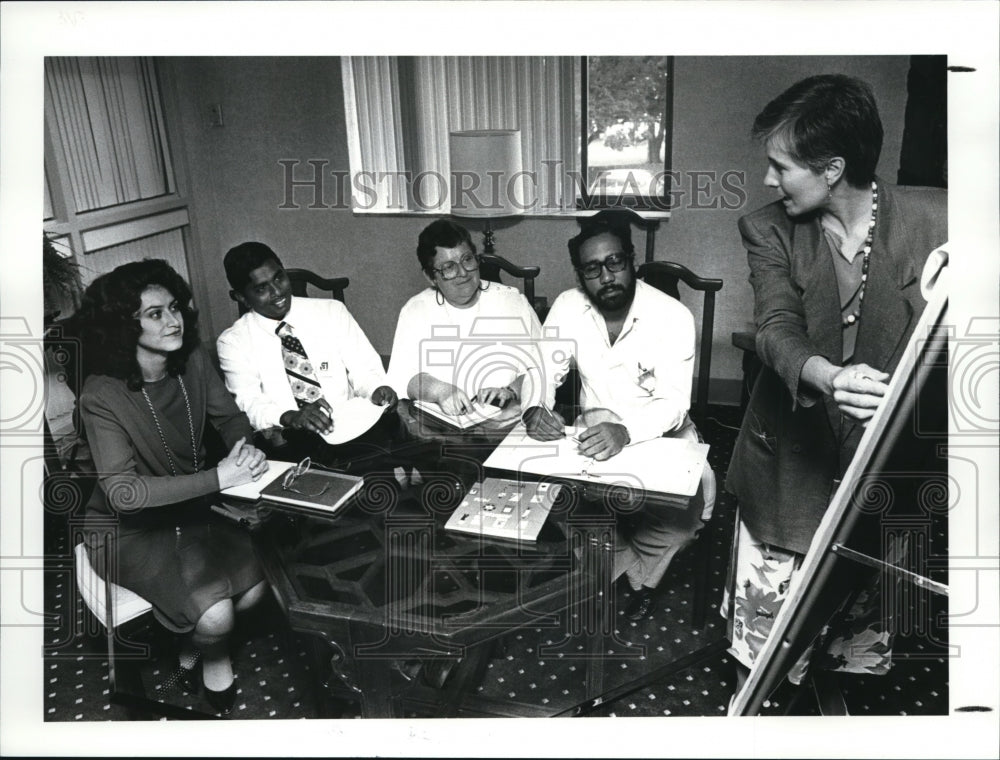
(109,325)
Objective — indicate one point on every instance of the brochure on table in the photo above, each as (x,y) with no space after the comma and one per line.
(504,508)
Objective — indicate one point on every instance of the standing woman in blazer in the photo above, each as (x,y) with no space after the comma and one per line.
(835,266)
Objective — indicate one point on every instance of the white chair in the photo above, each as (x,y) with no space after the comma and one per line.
(126,607)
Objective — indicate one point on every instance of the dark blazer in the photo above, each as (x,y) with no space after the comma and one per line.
(794,443)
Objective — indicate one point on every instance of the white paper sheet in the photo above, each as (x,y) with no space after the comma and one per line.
(352,418)
(662,465)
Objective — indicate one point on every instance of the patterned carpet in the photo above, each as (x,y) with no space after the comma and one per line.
(274,666)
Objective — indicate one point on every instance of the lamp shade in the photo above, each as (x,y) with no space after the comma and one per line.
(486,176)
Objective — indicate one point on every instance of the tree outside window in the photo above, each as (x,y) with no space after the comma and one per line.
(626,139)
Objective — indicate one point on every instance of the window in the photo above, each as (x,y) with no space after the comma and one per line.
(111,191)
(400,111)
(626,131)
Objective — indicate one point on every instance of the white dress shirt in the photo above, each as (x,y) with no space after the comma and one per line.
(486,345)
(644,378)
(345,363)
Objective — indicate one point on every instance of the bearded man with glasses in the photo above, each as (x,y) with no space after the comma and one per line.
(633,347)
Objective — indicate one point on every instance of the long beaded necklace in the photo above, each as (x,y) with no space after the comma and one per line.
(163,440)
(866,250)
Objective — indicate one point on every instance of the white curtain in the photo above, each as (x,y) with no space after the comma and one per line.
(400,111)
(109,126)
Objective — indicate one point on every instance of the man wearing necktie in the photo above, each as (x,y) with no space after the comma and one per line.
(290,361)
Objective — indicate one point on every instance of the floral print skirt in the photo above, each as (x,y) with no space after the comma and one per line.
(757,585)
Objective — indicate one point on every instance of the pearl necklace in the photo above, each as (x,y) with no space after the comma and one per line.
(163,440)
(866,250)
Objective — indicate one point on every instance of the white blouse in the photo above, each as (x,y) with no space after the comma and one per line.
(486,345)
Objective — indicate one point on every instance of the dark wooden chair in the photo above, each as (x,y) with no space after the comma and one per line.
(302,278)
(490,267)
(665,276)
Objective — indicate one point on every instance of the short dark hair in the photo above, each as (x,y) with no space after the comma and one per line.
(109,328)
(826,116)
(444,233)
(613,221)
(241,260)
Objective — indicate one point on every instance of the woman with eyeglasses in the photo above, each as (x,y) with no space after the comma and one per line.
(149,394)
(461,340)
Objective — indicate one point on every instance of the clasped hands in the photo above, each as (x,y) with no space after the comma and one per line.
(244,464)
(601,441)
(317,417)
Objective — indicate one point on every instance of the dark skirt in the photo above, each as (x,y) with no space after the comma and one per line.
(182,562)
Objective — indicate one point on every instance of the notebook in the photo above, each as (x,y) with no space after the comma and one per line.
(504,508)
(670,466)
(479,414)
(251,491)
(316,492)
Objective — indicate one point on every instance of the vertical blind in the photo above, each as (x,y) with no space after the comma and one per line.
(168,245)
(400,111)
(108,124)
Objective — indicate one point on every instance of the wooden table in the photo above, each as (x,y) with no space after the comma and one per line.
(383,584)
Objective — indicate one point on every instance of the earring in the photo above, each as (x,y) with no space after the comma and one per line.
(481,288)
(438,297)
(829,190)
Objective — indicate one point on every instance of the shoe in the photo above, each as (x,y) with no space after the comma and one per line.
(640,604)
(409,669)
(189,679)
(436,672)
(222,701)
(829,697)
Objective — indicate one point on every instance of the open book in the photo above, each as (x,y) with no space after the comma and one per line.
(479,414)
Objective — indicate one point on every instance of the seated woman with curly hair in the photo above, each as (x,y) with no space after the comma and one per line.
(149,390)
